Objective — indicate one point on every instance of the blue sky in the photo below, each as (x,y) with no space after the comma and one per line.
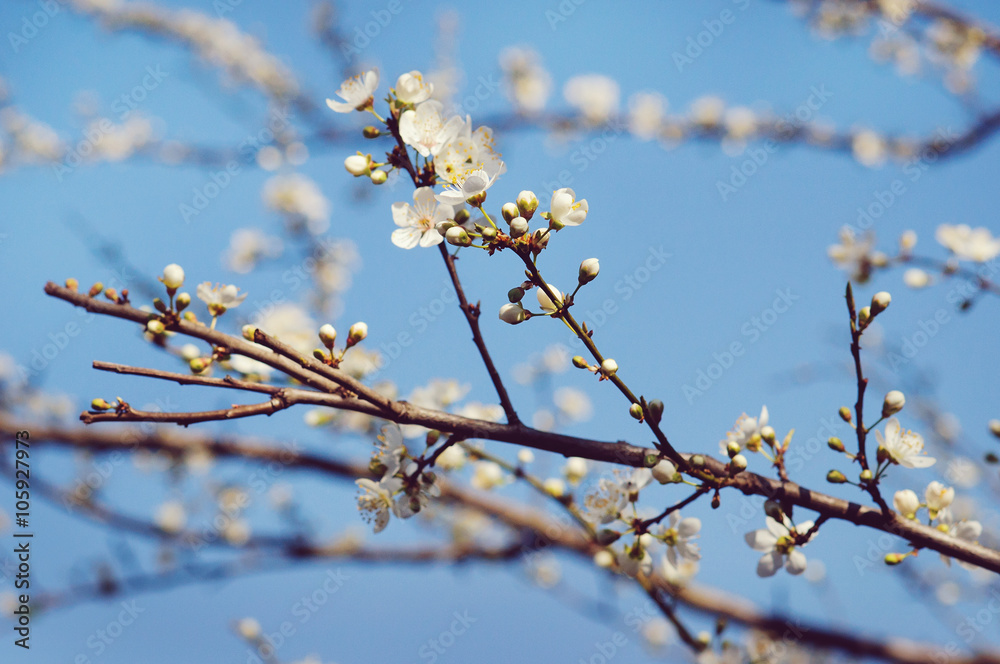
(726,263)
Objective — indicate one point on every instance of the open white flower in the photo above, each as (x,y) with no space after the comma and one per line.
(473,184)
(412,89)
(417,223)
(425,129)
(965,530)
(376,502)
(974,244)
(356,93)
(853,255)
(606,502)
(679,538)
(220,297)
(468,151)
(904,447)
(565,210)
(635,559)
(746,430)
(678,574)
(777,542)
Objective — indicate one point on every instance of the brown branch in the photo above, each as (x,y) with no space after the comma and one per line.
(545,531)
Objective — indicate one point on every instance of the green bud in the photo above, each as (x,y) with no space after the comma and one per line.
(835,477)
(319,354)
(159,305)
(515,294)
(835,444)
(845,413)
(635,410)
(866,475)
(733,448)
(579,362)
(773,510)
(462,216)
(182,301)
(248,332)
(651,460)
(100,404)
(371,132)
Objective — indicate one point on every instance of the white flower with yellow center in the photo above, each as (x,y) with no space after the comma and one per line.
(219,298)
(468,151)
(356,93)
(425,129)
(679,537)
(417,223)
(777,542)
(375,503)
(412,89)
(903,447)
(746,432)
(565,210)
(471,184)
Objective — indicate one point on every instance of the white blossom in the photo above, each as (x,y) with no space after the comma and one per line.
(565,210)
(418,223)
(425,129)
(356,92)
(904,447)
(777,542)
(968,243)
(412,89)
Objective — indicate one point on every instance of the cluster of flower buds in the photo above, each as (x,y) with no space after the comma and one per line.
(880,302)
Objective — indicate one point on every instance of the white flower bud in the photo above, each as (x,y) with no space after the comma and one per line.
(527,203)
(518,227)
(894,402)
(513,313)
(457,236)
(358,165)
(916,278)
(155,327)
(248,628)
(575,469)
(173,276)
(379,177)
(357,333)
(880,302)
(554,486)
(589,270)
(938,497)
(738,463)
(664,471)
(509,212)
(609,367)
(906,503)
(604,559)
(907,241)
(995,428)
(525,456)
(328,335)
